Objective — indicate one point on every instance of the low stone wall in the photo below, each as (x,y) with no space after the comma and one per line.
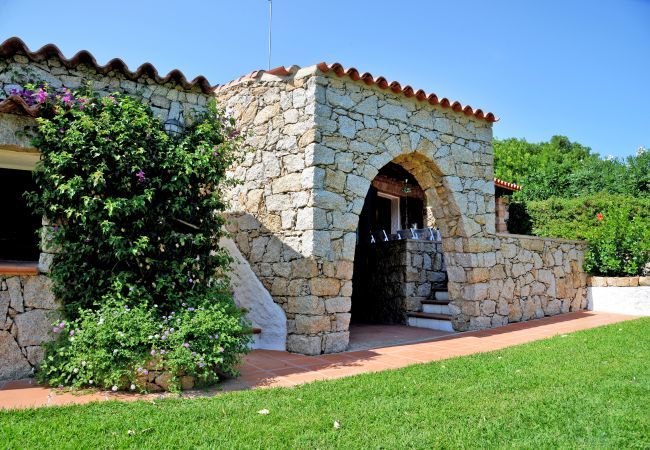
(392,278)
(526,277)
(623,295)
(27,310)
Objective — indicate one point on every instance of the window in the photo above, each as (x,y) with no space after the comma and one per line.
(392,220)
(19,226)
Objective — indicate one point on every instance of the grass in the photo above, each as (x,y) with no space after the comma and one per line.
(589,389)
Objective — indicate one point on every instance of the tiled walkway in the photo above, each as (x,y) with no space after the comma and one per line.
(365,336)
(266,368)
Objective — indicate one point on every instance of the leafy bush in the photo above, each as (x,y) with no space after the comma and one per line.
(572,218)
(116,346)
(618,244)
(565,169)
(138,221)
(135,205)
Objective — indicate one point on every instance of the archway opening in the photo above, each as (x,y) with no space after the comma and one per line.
(398,266)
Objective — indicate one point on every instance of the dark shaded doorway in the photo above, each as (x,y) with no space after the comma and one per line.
(19,225)
(394,204)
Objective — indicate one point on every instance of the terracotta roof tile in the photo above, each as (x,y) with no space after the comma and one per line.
(407,91)
(506,185)
(16,105)
(380,82)
(14,45)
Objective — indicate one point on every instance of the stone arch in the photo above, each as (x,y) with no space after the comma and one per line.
(441,191)
(440,196)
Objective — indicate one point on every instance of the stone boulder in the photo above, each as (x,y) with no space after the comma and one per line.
(37,293)
(35,327)
(4,307)
(13,364)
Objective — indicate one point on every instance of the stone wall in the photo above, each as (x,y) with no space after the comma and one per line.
(392,278)
(523,278)
(319,142)
(273,211)
(27,311)
(621,295)
(168,101)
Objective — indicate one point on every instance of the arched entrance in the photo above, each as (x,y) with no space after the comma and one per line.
(399,271)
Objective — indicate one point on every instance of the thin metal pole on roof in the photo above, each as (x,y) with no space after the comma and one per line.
(270,26)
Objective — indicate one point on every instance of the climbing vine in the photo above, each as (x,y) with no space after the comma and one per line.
(135,220)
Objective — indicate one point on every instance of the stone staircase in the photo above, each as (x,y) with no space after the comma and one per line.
(435,312)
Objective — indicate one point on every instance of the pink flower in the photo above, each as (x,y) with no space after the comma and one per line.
(186,345)
(56,329)
(140,176)
(41,96)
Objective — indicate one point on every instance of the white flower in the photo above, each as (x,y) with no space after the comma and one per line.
(90,381)
(114,388)
(263,411)
(133,387)
(83,363)
(337,425)
(114,351)
(75,370)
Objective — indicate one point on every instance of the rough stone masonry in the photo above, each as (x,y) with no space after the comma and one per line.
(317,139)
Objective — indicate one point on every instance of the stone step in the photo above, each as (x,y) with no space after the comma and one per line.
(432,321)
(436,307)
(439,294)
(435,302)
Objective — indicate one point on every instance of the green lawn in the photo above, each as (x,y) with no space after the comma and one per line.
(589,389)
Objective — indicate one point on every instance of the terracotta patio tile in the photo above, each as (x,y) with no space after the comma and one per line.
(24,397)
(308,377)
(18,384)
(66,398)
(290,371)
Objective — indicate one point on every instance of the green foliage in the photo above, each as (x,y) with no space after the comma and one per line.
(138,221)
(135,205)
(575,218)
(116,346)
(618,244)
(565,186)
(565,169)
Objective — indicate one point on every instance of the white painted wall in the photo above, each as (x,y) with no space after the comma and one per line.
(249,293)
(623,300)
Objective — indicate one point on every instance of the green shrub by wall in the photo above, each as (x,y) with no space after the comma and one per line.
(136,217)
(617,228)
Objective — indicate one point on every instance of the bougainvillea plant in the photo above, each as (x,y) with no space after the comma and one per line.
(136,220)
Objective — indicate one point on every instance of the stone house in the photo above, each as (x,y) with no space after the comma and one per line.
(361,200)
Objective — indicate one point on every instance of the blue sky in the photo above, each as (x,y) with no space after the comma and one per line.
(572,67)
